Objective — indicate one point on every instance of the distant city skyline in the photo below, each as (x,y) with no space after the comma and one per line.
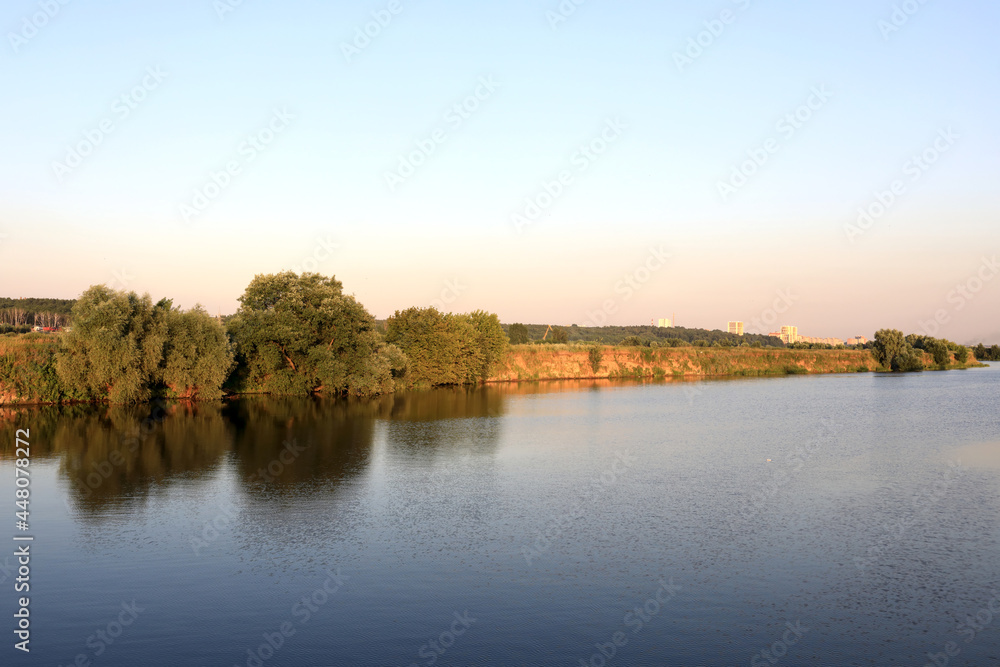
(833,164)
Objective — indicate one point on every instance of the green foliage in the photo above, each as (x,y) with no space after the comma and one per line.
(446,349)
(198,356)
(983,353)
(125,349)
(633,341)
(962,355)
(116,345)
(518,334)
(438,346)
(613,335)
(888,344)
(298,334)
(908,360)
(595,353)
(559,335)
(28,369)
(489,343)
(938,349)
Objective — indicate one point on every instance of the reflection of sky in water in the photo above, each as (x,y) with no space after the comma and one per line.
(428,503)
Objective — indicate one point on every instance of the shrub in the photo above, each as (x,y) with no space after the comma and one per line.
(596,356)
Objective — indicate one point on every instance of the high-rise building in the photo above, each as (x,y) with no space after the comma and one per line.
(664,323)
(736,328)
(789,334)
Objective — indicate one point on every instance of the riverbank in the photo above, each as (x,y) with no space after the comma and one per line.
(571,362)
(28,376)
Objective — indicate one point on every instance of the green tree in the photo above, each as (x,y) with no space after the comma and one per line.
(938,350)
(559,335)
(888,344)
(297,334)
(980,352)
(632,341)
(596,355)
(438,346)
(962,355)
(115,348)
(198,356)
(490,344)
(908,360)
(518,334)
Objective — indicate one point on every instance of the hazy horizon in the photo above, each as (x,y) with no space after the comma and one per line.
(173,94)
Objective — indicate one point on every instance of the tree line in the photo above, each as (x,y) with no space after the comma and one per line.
(984,353)
(904,353)
(292,334)
(19,315)
(642,336)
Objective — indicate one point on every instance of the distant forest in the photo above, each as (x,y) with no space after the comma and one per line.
(19,315)
(634,335)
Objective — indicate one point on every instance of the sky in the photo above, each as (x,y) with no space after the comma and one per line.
(827,165)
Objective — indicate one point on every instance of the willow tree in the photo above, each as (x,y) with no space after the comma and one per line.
(197,357)
(445,348)
(115,347)
(298,334)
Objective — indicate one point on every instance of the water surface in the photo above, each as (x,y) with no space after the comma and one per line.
(693,522)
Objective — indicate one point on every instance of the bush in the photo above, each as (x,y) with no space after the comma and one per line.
(908,361)
(962,355)
(596,356)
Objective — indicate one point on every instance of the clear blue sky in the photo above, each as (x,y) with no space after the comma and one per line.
(675,133)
